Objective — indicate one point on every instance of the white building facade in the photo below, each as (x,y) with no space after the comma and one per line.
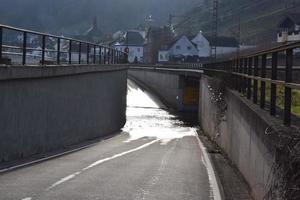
(197,48)
(289,28)
(134,42)
(183,46)
(134,52)
(202,45)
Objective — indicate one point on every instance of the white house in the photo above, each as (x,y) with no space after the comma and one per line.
(202,45)
(196,48)
(134,41)
(179,49)
(289,28)
(183,47)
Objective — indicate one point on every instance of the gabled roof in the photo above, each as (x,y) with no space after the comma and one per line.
(174,41)
(223,41)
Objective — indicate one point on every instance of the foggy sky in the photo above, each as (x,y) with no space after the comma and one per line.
(74,16)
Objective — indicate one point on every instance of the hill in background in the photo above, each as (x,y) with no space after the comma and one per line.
(258,19)
(73,17)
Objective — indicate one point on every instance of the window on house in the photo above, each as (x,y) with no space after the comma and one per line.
(178,47)
(189,47)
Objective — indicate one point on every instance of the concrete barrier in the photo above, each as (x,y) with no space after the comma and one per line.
(44,109)
(242,130)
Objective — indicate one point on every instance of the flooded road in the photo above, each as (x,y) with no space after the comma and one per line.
(155,157)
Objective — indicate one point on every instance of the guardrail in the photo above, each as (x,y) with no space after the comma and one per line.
(52,49)
(195,66)
(250,75)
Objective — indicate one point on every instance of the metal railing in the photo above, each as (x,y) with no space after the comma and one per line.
(52,49)
(250,75)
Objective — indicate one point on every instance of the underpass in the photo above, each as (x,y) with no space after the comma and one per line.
(156,156)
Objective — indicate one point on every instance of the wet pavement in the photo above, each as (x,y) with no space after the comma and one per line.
(156,157)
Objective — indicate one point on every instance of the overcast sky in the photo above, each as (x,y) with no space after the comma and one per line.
(72,16)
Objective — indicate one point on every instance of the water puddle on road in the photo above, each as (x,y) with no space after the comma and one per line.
(147,118)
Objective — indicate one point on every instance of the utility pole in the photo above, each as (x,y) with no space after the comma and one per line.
(214,30)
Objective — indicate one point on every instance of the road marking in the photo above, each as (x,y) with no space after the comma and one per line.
(27,198)
(72,176)
(144,191)
(46,159)
(210,171)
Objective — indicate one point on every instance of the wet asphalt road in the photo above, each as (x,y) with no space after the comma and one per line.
(155,157)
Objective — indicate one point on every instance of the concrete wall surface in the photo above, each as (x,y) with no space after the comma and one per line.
(166,85)
(240,130)
(46,109)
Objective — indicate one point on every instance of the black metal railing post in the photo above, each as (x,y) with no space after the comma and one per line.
(1,43)
(255,82)
(100,55)
(273,85)
(108,56)
(94,56)
(262,82)
(58,51)
(117,56)
(112,56)
(24,48)
(104,55)
(288,90)
(87,53)
(245,72)
(240,77)
(70,52)
(236,70)
(79,53)
(249,84)
(43,49)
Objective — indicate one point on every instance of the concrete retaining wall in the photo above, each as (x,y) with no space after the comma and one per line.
(46,109)
(241,132)
(166,85)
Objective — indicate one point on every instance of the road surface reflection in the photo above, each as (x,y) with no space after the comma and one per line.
(147,118)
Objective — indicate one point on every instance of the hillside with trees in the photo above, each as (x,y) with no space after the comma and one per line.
(255,20)
(72,17)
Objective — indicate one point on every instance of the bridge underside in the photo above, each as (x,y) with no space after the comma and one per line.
(179,91)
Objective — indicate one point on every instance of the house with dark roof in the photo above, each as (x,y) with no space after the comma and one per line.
(289,28)
(180,48)
(134,42)
(196,48)
(223,44)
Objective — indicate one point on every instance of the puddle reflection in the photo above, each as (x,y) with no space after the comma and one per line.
(146,118)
